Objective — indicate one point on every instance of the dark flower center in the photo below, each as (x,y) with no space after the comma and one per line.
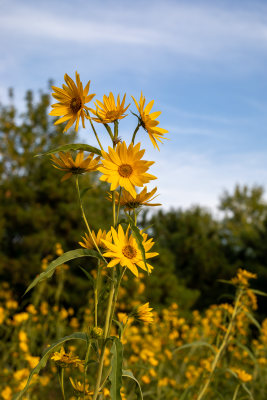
(125,170)
(75,104)
(129,251)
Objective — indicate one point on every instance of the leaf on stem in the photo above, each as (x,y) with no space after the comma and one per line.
(46,355)
(73,146)
(115,376)
(69,255)
(138,390)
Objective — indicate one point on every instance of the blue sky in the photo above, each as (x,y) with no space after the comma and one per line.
(203,62)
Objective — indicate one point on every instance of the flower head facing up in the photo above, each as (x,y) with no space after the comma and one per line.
(123,250)
(66,359)
(124,167)
(71,102)
(144,198)
(149,122)
(89,243)
(80,388)
(66,163)
(143,313)
(242,277)
(109,111)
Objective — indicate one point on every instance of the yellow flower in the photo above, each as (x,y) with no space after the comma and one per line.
(124,251)
(242,277)
(143,313)
(66,163)
(242,375)
(142,199)
(80,388)
(108,111)
(124,167)
(6,393)
(88,242)
(149,122)
(71,102)
(66,359)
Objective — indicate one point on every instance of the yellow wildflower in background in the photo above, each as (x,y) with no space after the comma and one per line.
(66,359)
(242,277)
(148,120)
(66,163)
(71,102)
(124,251)
(6,393)
(144,314)
(242,375)
(109,111)
(88,242)
(144,198)
(80,388)
(124,167)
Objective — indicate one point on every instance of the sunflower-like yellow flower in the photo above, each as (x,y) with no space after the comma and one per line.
(148,120)
(123,250)
(144,314)
(88,243)
(66,359)
(242,375)
(109,111)
(124,167)
(144,198)
(71,102)
(80,388)
(66,163)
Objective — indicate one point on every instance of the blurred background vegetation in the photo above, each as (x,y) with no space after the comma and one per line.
(37,211)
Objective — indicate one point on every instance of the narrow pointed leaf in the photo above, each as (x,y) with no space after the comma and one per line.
(138,390)
(115,376)
(139,239)
(47,354)
(70,255)
(195,344)
(73,146)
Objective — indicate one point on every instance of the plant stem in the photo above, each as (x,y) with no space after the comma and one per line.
(222,348)
(85,366)
(61,381)
(135,132)
(119,204)
(236,392)
(85,219)
(96,135)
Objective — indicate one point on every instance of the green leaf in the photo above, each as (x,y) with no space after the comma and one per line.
(245,348)
(90,278)
(70,255)
(46,355)
(259,292)
(115,376)
(85,190)
(73,146)
(138,390)
(253,320)
(139,239)
(195,344)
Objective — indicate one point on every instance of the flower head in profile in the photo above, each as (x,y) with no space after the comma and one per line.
(71,102)
(242,375)
(144,313)
(66,359)
(88,242)
(80,388)
(124,167)
(148,120)
(144,198)
(123,250)
(109,111)
(80,165)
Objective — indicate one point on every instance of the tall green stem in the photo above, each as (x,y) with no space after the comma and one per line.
(84,217)
(61,381)
(222,347)
(236,392)
(96,135)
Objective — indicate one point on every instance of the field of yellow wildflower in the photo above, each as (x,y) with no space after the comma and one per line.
(115,346)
